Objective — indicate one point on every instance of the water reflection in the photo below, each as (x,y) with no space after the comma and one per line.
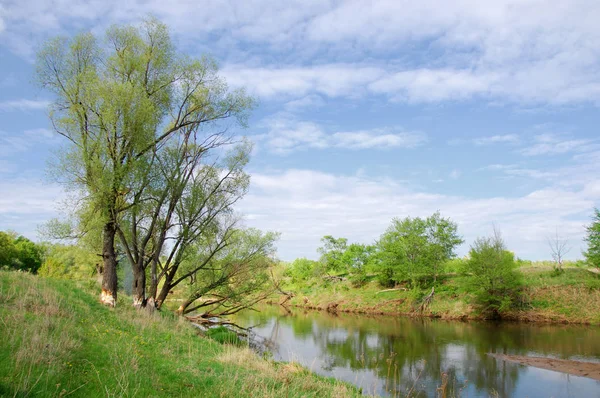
(400,356)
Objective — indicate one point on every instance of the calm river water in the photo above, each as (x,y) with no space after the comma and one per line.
(394,356)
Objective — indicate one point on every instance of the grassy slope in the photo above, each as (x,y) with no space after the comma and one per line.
(57,340)
(571,297)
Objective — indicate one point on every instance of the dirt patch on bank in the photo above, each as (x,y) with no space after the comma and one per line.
(576,368)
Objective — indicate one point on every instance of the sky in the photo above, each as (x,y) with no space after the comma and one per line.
(368,110)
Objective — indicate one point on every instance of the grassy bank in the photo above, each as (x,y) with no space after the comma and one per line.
(569,297)
(57,340)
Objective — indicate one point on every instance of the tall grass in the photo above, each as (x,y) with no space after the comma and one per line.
(56,340)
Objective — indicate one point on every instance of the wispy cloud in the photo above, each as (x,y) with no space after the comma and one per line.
(554,144)
(497,139)
(541,52)
(286,135)
(23,105)
(12,143)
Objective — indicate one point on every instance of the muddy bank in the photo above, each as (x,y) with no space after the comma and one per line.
(576,368)
(517,316)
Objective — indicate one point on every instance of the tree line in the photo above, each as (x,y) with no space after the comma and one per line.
(414,252)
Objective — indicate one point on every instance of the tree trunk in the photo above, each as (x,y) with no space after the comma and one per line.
(152,300)
(139,286)
(109,272)
(183,307)
(164,292)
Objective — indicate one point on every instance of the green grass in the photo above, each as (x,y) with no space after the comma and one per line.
(572,296)
(56,340)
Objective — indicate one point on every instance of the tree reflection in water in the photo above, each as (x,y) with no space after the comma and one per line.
(400,356)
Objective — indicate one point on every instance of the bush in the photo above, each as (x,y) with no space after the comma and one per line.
(386,277)
(494,280)
(456,265)
(223,335)
(359,280)
(592,254)
(69,262)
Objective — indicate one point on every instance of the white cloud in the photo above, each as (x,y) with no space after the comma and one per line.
(305,205)
(26,203)
(309,101)
(553,144)
(332,80)
(429,85)
(14,143)
(23,105)
(286,135)
(538,51)
(497,139)
(455,174)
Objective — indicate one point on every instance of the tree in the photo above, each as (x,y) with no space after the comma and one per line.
(592,254)
(19,253)
(559,248)
(116,103)
(494,279)
(357,258)
(233,279)
(7,249)
(332,253)
(182,201)
(415,248)
(302,269)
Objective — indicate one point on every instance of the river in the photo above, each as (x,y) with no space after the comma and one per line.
(400,356)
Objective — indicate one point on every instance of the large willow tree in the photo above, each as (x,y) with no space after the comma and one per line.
(118,100)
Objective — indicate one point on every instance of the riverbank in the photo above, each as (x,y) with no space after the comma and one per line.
(570,297)
(57,340)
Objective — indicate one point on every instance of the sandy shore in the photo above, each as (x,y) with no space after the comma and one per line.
(576,368)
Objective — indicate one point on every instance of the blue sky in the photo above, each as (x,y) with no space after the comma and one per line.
(369,110)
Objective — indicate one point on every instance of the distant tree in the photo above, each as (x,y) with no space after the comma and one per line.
(7,248)
(69,262)
(592,254)
(559,248)
(19,253)
(493,277)
(332,253)
(302,269)
(358,258)
(415,248)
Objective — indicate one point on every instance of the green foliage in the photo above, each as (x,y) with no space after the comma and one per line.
(358,257)
(69,262)
(494,279)
(223,335)
(332,253)
(415,249)
(19,253)
(592,254)
(456,266)
(301,269)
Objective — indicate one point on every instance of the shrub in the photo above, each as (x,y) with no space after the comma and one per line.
(592,254)
(359,280)
(223,335)
(494,280)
